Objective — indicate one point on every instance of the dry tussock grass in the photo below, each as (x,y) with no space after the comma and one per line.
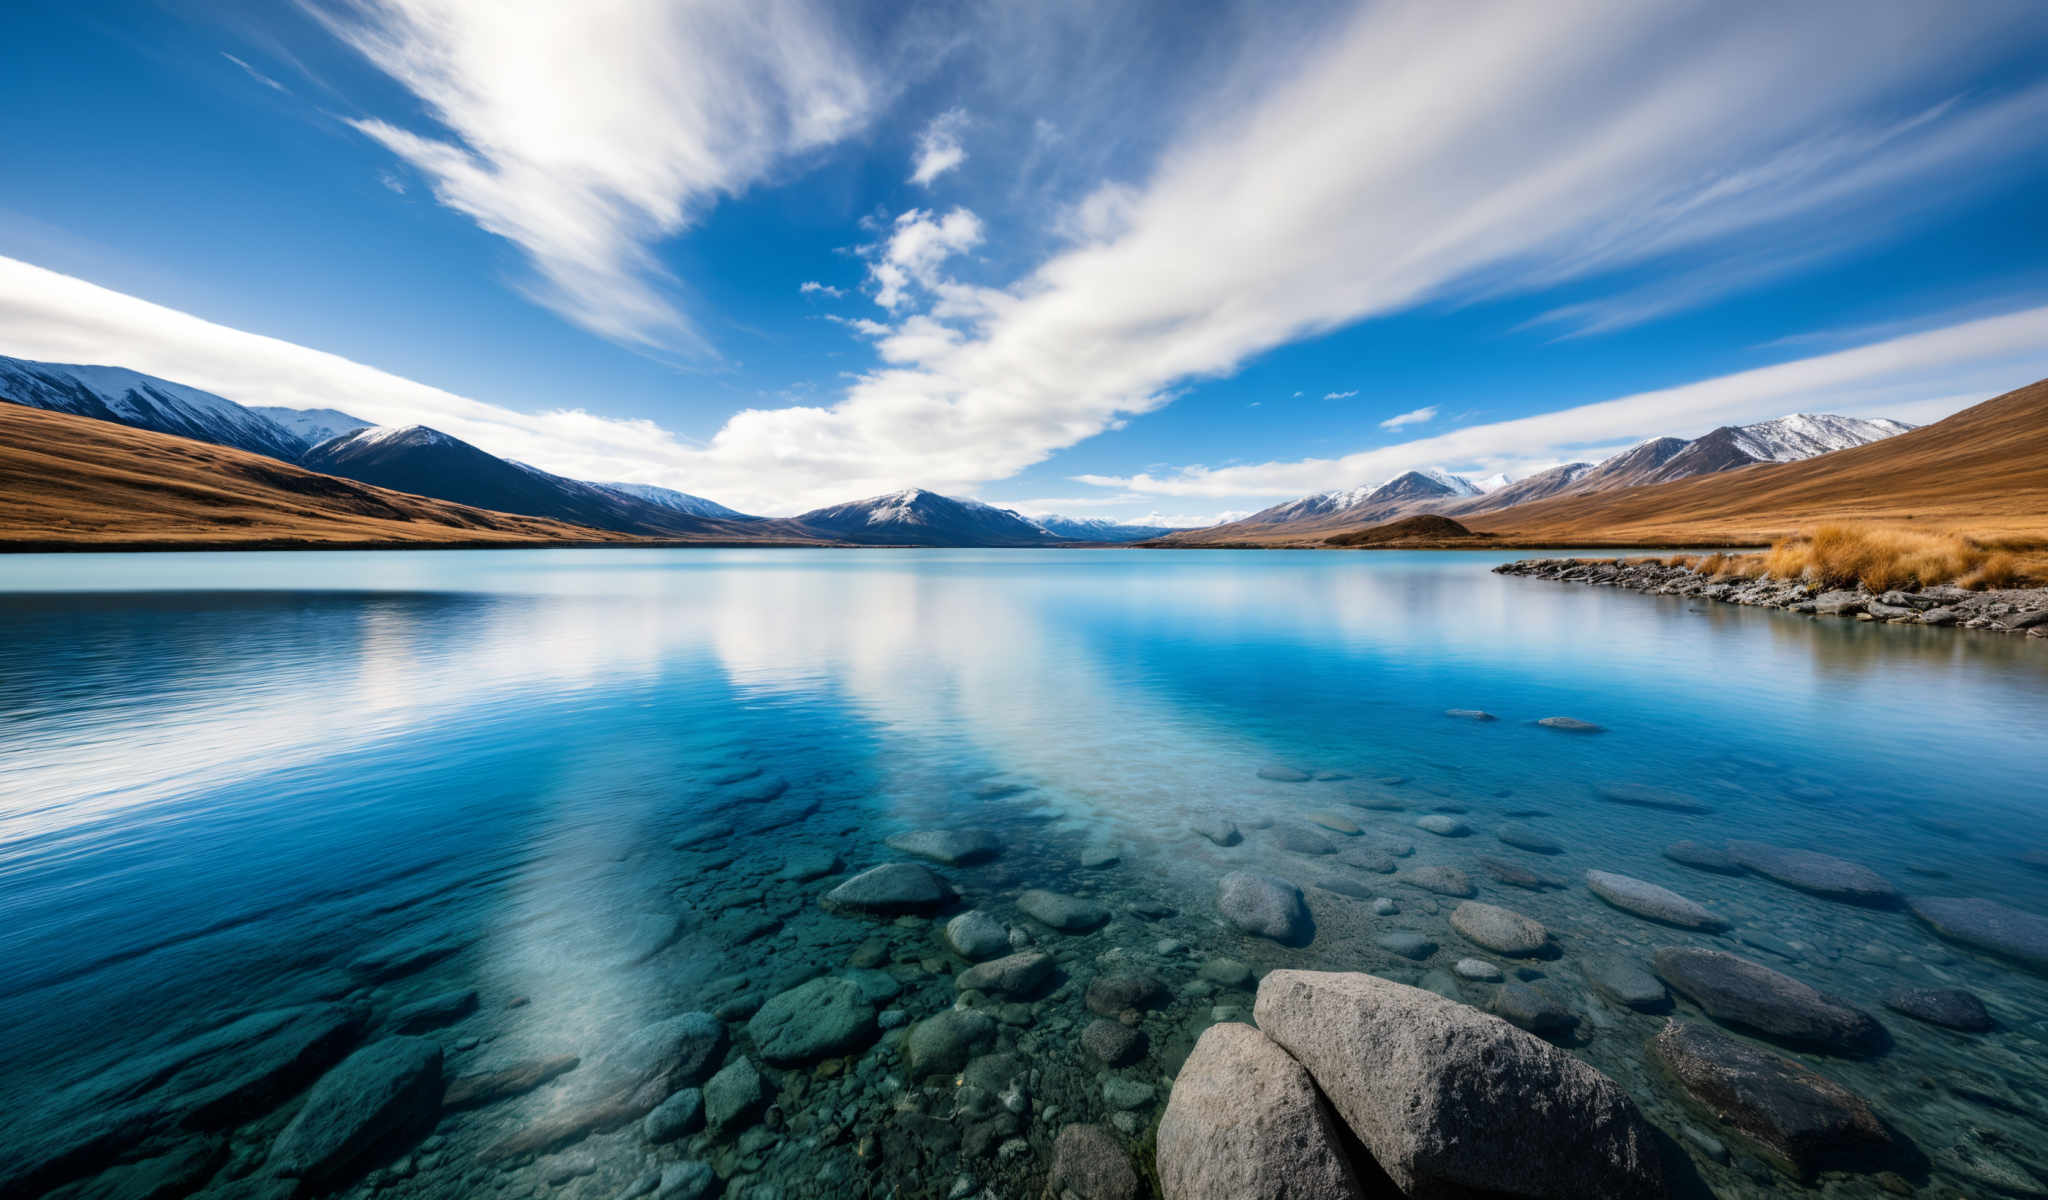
(1882,557)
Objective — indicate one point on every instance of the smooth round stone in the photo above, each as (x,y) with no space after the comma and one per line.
(1820,874)
(1514,874)
(946,1040)
(976,935)
(1989,926)
(1012,975)
(1264,905)
(1070,914)
(953,847)
(820,1019)
(1571,725)
(1522,837)
(1530,1007)
(1501,930)
(802,866)
(1344,887)
(680,1114)
(1628,984)
(1702,856)
(1385,907)
(1795,1118)
(1444,881)
(1650,902)
(1123,1095)
(1953,1008)
(1476,969)
(1335,822)
(1113,1042)
(1217,829)
(1469,714)
(1442,825)
(1100,854)
(1739,992)
(732,1097)
(890,889)
(1367,858)
(1281,773)
(1114,995)
(1406,944)
(1298,839)
(1228,972)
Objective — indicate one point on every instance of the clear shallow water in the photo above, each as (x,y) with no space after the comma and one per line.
(225,778)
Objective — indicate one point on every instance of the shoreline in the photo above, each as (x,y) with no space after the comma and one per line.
(2020,611)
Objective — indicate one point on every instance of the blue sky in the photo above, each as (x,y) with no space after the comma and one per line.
(1102,259)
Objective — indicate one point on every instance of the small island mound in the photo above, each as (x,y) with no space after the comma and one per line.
(1424,532)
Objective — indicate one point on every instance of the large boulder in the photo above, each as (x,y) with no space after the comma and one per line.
(975,935)
(386,1090)
(1820,874)
(1651,902)
(1791,1116)
(889,890)
(1989,926)
(1244,1122)
(1738,992)
(819,1019)
(1265,906)
(1450,1101)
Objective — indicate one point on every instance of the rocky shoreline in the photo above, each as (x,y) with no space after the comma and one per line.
(2011,610)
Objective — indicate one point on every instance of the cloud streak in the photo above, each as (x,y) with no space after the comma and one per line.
(585,134)
(1412,417)
(938,147)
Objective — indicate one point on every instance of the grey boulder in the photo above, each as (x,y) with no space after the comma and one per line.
(1450,1101)
(819,1019)
(386,1090)
(1952,1008)
(1793,1117)
(1651,902)
(1501,930)
(976,935)
(1262,905)
(889,890)
(953,847)
(1011,975)
(1736,991)
(1244,1122)
(1088,1162)
(1819,874)
(1069,914)
(1989,926)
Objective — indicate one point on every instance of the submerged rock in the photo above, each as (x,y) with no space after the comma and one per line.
(1628,984)
(1088,1161)
(434,1012)
(1069,914)
(1532,1008)
(680,1114)
(1571,725)
(1244,1122)
(732,1097)
(1820,874)
(1406,944)
(889,889)
(1989,926)
(1335,822)
(976,935)
(1750,995)
(1703,856)
(953,847)
(1442,825)
(1950,1007)
(1500,870)
(1114,995)
(945,1041)
(408,952)
(1266,906)
(1501,930)
(1444,881)
(1296,839)
(1477,970)
(1017,974)
(1219,830)
(823,1018)
(1638,795)
(1522,837)
(503,1083)
(1794,1118)
(1651,902)
(1115,1043)
(1280,773)
(386,1090)
(1469,714)
(1450,1101)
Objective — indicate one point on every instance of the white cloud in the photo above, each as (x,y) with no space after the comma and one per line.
(1340,395)
(811,287)
(1915,377)
(919,242)
(1413,417)
(587,133)
(938,147)
(256,75)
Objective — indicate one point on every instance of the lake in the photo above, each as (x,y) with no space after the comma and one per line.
(259,809)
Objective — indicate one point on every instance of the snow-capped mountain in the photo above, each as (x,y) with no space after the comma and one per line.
(427,462)
(1403,493)
(1100,529)
(145,402)
(682,502)
(916,517)
(311,426)
(1804,435)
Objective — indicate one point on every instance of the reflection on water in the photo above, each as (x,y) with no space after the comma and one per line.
(225,780)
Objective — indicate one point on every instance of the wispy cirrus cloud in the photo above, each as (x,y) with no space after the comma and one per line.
(585,134)
(938,147)
(1416,416)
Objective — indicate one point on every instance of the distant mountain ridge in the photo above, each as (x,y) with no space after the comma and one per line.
(1101,529)
(141,401)
(1659,460)
(917,517)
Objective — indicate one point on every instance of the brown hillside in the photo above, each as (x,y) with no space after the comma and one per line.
(1983,471)
(68,481)
(1425,531)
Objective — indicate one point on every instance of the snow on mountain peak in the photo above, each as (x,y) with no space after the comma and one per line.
(1803,435)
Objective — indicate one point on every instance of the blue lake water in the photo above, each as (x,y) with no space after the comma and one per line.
(242,784)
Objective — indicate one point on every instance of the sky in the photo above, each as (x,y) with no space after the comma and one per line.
(1158,262)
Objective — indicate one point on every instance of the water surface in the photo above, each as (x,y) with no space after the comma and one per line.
(224,778)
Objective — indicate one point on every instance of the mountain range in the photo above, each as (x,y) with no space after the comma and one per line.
(1659,460)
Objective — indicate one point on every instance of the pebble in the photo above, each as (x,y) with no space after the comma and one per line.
(1477,969)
